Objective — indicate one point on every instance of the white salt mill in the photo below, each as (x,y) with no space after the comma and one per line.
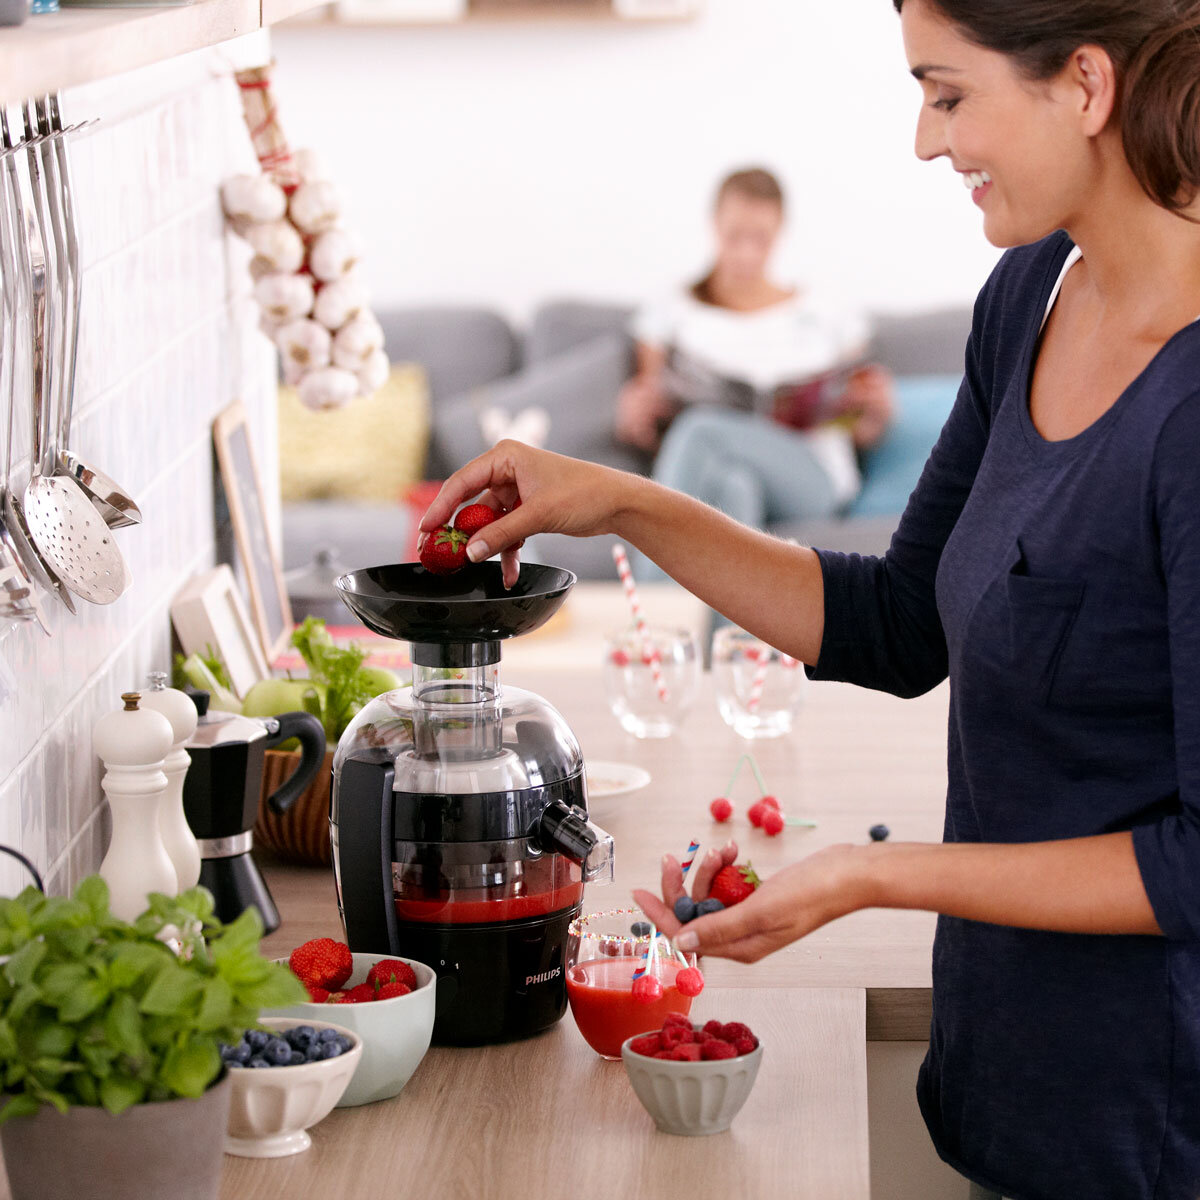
(176,834)
(133,743)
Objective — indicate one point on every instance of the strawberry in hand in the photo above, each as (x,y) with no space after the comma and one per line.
(733,884)
(445,551)
(473,518)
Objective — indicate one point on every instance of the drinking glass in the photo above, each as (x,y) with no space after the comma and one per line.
(759,690)
(602,955)
(635,664)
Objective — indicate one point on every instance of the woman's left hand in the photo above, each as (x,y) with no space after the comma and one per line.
(787,906)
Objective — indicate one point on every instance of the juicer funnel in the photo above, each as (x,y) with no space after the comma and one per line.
(454,620)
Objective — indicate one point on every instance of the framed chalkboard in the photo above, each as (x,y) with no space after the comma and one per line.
(269,606)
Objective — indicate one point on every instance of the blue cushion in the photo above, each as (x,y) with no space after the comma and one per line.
(891,469)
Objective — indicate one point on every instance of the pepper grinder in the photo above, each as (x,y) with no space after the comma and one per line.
(176,833)
(132,743)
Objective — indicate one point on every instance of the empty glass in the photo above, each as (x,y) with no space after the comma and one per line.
(759,690)
(651,680)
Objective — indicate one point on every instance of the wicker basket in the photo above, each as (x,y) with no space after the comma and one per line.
(300,835)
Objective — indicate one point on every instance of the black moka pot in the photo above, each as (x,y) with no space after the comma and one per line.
(459,808)
(221,794)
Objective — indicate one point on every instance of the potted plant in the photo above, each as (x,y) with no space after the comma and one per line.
(109,1041)
(337,686)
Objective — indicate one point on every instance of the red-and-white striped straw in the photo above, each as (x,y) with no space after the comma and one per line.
(690,858)
(763,657)
(635,607)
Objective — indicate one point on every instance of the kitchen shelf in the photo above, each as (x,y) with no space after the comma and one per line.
(79,45)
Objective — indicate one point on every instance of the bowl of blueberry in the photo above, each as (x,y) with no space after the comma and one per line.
(287,1076)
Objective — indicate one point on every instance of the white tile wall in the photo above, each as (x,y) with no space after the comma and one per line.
(167,340)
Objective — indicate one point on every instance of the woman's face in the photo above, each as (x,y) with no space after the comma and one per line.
(1019,146)
(747,229)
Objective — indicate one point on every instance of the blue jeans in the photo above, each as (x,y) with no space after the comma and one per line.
(750,467)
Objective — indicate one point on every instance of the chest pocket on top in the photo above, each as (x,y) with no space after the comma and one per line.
(1041,613)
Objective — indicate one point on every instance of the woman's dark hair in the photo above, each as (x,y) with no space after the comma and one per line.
(752,183)
(1155,47)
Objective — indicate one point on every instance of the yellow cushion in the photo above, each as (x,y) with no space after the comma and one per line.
(368,450)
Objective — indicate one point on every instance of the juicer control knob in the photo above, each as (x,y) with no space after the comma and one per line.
(567,831)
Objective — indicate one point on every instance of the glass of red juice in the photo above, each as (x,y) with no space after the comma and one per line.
(602,956)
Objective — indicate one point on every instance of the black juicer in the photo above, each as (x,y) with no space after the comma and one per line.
(459,811)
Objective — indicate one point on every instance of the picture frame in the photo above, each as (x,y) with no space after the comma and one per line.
(270,609)
(209,616)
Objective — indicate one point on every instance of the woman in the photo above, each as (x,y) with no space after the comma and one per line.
(1049,563)
(715,361)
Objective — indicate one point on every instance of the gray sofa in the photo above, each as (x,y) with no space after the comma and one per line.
(571,362)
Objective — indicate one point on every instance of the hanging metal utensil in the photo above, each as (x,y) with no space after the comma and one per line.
(110,500)
(69,532)
(31,304)
(19,600)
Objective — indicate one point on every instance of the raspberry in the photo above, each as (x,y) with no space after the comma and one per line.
(704,1036)
(772,822)
(676,1019)
(665,1054)
(746,1045)
(323,962)
(731,1031)
(318,995)
(673,1035)
(716,1049)
(721,809)
(713,1027)
(770,802)
(360,994)
(755,814)
(689,1053)
(648,1044)
(647,989)
(392,970)
(390,990)
(690,981)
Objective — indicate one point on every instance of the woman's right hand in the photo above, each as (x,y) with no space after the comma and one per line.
(642,408)
(537,492)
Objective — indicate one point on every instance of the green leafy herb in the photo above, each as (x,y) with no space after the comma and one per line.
(212,661)
(97,1011)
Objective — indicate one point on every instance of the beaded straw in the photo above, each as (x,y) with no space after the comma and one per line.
(635,607)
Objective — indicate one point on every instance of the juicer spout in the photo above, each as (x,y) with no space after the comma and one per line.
(567,831)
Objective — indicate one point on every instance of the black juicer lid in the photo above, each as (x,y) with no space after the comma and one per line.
(454,620)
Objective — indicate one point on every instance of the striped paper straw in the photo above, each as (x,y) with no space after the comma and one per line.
(639,621)
(763,657)
(690,858)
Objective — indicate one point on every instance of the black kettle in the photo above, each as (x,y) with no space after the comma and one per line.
(221,793)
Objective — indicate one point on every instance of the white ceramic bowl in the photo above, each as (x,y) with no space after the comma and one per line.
(271,1107)
(395,1033)
(691,1098)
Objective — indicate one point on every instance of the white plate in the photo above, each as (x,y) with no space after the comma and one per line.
(614,778)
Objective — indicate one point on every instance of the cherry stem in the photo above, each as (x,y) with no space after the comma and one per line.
(733,778)
(762,787)
(801,822)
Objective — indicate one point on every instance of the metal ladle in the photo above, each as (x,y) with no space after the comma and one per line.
(70,534)
(110,500)
(30,281)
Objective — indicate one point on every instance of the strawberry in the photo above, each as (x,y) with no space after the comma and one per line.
(388,990)
(361,993)
(473,518)
(772,822)
(445,551)
(322,962)
(338,998)
(648,1045)
(318,995)
(647,989)
(690,981)
(392,970)
(721,809)
(715,1049)
(690,1053)
(733,884)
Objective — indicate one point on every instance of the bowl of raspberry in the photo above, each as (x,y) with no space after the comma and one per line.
(693,1079)
(304,1070)
(386,1001)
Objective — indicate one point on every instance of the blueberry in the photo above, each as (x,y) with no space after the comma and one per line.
(258,1061)
(326,1034)
(258,1039)
(711,905)
(344,1042)
(313,1051)
(640,929)
(297,1059)
(879,833)
(301,1036)
(240,1053)
(685,909)
(278,1052)
(331,1050)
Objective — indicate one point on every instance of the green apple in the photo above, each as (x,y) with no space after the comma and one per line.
(270,697)
(378,680)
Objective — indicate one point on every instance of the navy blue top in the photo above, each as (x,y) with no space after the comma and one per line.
(1058,585)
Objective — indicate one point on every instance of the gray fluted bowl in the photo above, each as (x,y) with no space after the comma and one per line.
(692,1099)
